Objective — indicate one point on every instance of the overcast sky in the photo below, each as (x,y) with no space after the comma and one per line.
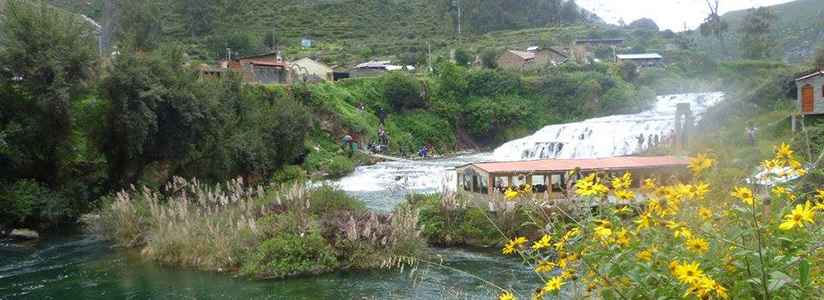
(668,14)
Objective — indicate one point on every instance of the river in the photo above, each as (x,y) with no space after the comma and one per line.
(77,266)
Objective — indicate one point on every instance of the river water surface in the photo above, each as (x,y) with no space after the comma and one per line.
(76,266)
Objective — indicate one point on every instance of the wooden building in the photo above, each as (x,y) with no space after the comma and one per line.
(534,59)
(486,182)
(811,93)
(642,60)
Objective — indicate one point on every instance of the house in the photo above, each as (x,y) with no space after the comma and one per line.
(339,72)
(311,67)
(811,93)
(642,60)
(377,68)
(535,58)
(599,42)
(263,68)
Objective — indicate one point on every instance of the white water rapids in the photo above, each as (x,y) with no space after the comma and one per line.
(382,185)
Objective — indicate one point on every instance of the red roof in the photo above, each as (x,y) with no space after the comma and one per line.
(816,73)
(557,165)
(269,63)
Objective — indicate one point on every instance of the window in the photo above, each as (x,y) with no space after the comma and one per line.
(467,183)
(539,183)
(519,181)
(557,182)
(501,183)
(476,186)
(483,185)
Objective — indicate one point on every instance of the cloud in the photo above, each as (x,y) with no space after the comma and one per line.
(668,14)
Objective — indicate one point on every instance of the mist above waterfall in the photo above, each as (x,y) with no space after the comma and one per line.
(608,136)
(383,185)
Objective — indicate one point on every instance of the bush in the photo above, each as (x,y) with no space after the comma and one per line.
(289,174)
(290,254)
(327,199)
(339,167)
(27,202)
(403,91)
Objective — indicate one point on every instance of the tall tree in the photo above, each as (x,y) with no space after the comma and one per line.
(199,16)
(47,59)
(136,24)
(713,25)
(755,41)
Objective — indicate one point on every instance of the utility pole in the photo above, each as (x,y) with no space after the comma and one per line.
(429,56)
(457,3)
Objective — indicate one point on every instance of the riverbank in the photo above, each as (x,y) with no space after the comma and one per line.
(263,233)
(75,266)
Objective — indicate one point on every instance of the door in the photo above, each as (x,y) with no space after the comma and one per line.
(807,99)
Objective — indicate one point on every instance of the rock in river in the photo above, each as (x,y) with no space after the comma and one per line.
(24,234)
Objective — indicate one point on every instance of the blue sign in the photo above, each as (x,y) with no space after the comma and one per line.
(306,43)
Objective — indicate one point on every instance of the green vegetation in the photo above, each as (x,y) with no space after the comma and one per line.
(263,233)
(447,220)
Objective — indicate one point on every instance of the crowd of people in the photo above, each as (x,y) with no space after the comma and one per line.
(652,141)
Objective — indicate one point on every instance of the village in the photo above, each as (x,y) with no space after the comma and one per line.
(275,68)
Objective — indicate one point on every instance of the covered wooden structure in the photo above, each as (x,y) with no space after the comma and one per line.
(485,181)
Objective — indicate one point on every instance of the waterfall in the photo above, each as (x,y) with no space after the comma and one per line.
(608,136)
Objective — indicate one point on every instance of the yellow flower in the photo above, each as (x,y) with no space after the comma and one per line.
(779,190)
(683,231)
(624,194)
(506,296)
(603,228)
(704,213)
(622,182)
(621,209)
(649,184)
(646,255)
(544,242)
(693,192)
(544,266)
(509,194)
(798,216)
(514,245)
(590,186)
(621,238)
(643,221)
(784,152)
(688,273)
(700,163)
(820,195)
(745,194)
(554,284)
(697,245)
(710,285)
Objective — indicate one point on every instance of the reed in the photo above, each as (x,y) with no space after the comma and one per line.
(275,232)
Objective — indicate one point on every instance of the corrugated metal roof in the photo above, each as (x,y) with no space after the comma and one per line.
(522,54)
(817,73)
(557,165)
(268,63)
(640,56)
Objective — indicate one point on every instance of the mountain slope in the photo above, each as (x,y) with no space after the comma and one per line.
(798,31)
(346,27)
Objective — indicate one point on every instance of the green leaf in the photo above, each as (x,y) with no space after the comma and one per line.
(778,280)
(804,272)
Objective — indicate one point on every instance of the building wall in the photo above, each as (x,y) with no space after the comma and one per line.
(359,73)
(315,68)
(510,61)
(817,84)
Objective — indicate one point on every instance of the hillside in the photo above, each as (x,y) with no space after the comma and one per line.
(342,30)
(798,31)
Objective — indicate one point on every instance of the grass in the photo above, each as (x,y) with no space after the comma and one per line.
(265,233)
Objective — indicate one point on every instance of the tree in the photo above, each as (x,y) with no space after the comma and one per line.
(46,62)
(199,15)
(713,25)
(819,57)
(136,24)
(365,53)
(644,23)
(462,57)
(490,58)
(154,114)
(403,91)
(755,42)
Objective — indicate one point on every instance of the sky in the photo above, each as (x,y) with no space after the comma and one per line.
(668,14)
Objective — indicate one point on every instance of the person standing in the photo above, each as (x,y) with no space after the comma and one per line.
(672,138)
